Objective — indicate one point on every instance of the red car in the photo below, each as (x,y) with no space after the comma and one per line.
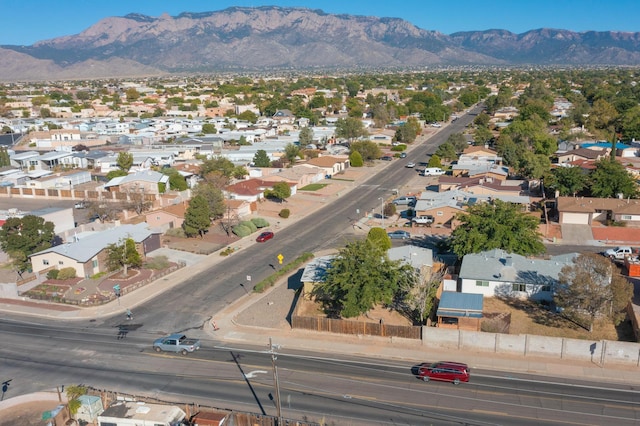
(265,236)
(447,371)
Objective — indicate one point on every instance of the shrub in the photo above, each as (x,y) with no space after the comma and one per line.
(284,213)
(260,222)
(389,209)
(272,279)
(399,148)
(249,224)
(227,251)
(66,273)
(53,274)
(355,159)
(241,231)
(158,262)
(176,232)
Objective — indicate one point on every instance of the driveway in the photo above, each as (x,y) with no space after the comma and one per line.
(178,256)
(577,234)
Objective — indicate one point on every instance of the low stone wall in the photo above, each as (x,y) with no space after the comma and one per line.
(600,352)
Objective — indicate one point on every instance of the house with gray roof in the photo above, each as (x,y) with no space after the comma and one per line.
(87,254)
(314,273)
(498,273)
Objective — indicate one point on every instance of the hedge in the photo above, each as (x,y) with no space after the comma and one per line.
(260,222)
(273,278)
(241,231)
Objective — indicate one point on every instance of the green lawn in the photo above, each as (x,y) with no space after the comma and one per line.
(314,187)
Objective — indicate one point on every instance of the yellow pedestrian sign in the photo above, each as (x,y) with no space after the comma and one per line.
(280,258)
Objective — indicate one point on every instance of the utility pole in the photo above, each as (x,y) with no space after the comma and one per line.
(276,384)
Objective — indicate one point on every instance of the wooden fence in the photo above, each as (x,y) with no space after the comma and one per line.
(341,326)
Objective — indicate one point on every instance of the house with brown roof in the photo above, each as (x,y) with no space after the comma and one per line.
(482,185)
(585,154)
(329,163)
(167,217)
(253,189)
(587,211)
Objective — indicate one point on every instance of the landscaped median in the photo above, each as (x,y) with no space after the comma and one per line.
(273,278)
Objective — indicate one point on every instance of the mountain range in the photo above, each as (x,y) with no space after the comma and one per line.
(272,38)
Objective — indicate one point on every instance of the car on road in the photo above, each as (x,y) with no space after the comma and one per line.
(264,236)
(386,158)
(399,235)
(445,371)
(176,342)
(410,165)
(404,201)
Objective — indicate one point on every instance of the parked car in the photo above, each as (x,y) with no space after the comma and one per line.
(79,205)
(423,220)
(402,201)
(403,155)
(386,158)
(447,371)
(619,253)
(399,234)
(410,165)
(265,236)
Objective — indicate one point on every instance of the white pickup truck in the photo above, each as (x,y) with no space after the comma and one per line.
(176,343)
(423,220)
(619,253)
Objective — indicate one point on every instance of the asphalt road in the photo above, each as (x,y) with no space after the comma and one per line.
(334,390)
(105,353)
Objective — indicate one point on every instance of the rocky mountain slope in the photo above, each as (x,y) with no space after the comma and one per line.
(276,38)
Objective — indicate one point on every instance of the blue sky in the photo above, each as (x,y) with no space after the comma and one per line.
(28,21)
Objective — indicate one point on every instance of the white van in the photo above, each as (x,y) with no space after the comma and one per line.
(433,171)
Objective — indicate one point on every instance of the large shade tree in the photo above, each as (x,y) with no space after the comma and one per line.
(496,224)
(610,179)
(197,217)
(361,277)
(21,237)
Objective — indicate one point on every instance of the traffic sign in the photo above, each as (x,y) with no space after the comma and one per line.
(280,258)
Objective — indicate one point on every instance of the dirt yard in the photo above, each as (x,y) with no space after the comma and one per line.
(531,318)
(388,316)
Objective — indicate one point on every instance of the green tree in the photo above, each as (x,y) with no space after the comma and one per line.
(73,394)
(368,150)
(218,165)
(291,153)
(498,224)
(355,159)
(567,180)
(125,161)
(446,151)
(4,157)
(280,191)
(214,198)
(610,179)
(458,141)
(123,255)
(406,133)
(177,182)
(362,276)
(248,115)
(482,135)
(209,129)
(588,288)
(533,166)
(353,87)
(306,136)
(350,128)
(261,159)
(434,161)
(379,238)
(132,94)
(116,173)
(22,237)
(197,217)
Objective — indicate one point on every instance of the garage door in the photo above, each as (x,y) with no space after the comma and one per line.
(575,218)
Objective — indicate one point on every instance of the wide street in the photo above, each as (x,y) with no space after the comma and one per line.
(109,353)
(341,390)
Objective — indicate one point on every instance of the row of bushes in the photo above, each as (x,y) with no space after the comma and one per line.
(273,278)
(61,274)
(248,227)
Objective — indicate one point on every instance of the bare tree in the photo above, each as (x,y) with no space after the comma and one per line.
(588,289)
(137,201)
(419,299)
(229,219)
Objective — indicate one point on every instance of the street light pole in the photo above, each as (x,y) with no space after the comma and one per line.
(382,210)
(276,384)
